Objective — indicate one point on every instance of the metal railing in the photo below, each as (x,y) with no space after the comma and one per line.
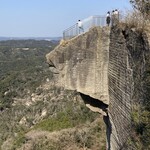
(87,24)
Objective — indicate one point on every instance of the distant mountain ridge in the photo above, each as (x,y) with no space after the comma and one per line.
(33,38)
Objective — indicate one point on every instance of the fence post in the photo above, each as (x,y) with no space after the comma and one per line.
(63,35)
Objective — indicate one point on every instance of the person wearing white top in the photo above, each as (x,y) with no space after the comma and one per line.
(112,18)
(116,13)
(80,26)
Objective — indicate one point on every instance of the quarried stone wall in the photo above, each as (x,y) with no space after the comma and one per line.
(106,67)
(120,77)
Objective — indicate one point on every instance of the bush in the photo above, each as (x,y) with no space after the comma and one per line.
(134,19)
(143,6)
(61,121)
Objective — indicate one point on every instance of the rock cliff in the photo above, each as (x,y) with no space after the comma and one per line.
(105,66)
(81,64)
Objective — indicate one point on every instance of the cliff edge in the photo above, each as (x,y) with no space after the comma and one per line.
(106,67)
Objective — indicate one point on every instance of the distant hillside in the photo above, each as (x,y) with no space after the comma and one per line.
(28,43)
(31,38)
(19,60)
(34,114)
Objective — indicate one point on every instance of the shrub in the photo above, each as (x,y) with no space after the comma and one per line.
(143,6)
(135,20)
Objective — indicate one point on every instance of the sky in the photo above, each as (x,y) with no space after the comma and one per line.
(48,18)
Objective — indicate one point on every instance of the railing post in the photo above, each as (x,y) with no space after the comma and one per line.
(77,30)
(92,21)
(64,35)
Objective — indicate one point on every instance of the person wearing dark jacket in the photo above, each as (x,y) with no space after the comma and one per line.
(108,18)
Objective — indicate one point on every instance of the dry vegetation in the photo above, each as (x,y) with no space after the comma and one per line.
(140,134)
(134,19)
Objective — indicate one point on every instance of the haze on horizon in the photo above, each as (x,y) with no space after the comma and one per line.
(37,18)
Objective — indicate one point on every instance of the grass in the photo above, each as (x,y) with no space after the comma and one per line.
(67,119)
(61,121)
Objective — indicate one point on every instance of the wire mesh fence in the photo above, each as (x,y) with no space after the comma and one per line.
(86,25)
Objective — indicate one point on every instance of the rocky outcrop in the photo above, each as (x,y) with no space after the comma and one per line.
(102,65)
(81,64)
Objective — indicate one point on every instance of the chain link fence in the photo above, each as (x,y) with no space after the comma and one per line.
(86,25)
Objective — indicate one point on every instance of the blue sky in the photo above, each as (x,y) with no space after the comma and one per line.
(48,18)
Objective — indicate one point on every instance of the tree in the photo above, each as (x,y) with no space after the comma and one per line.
(143,6)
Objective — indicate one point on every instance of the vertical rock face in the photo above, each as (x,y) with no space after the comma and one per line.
(120,89)
(128,52)
(106,68)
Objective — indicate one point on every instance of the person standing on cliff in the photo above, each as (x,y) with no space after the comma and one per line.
(108,18)
(80,26)
(112,18)
(116,15)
